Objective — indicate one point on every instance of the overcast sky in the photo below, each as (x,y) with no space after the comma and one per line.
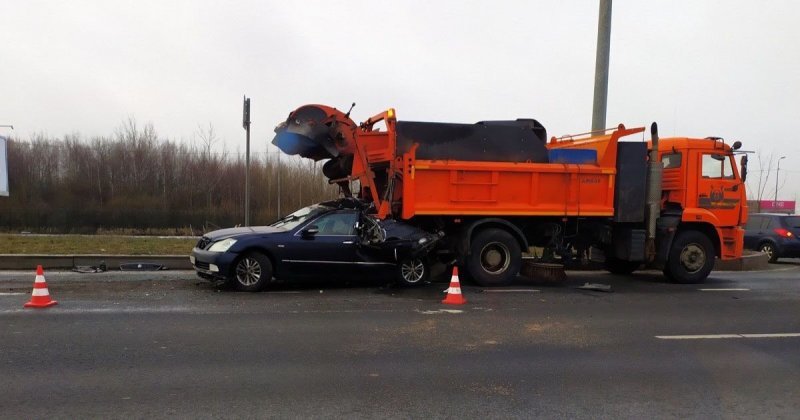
(698,68)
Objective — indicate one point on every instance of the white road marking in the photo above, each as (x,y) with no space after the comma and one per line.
(12,293)
(724,290)
(771,335)
(511,291)
(719,336)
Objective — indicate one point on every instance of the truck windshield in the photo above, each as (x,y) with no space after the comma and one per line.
(717,166)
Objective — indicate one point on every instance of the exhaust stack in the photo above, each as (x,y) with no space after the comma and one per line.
(655,170)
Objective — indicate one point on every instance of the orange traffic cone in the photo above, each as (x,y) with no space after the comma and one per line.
(454,296)
(40,297)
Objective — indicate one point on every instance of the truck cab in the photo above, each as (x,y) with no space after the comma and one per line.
(702,191)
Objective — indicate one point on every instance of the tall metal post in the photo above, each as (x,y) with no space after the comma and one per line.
(601,66)
(777,174)
(246,125)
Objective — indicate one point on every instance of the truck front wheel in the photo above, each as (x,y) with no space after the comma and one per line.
(495,258)
(691,258)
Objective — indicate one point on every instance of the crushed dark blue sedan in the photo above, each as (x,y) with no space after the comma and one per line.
(333,239)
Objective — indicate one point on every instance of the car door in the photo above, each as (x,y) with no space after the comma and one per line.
(325,246)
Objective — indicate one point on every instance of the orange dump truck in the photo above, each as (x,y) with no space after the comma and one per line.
(498,189)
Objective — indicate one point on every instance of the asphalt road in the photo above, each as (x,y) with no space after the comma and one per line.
(166,345)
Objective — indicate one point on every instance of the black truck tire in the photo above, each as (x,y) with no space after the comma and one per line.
(495,258)
(618,266)
(691,258)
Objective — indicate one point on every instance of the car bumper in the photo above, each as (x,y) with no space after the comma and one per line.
(212,265)
(789,248)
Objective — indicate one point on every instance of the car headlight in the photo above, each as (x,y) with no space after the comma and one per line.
(223,245)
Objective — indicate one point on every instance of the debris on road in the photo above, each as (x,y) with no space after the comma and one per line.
(142,266)
(597,287)
(91,268)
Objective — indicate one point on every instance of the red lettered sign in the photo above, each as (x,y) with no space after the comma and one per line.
(783,206)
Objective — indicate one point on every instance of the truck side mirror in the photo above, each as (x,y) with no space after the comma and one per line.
(743,164)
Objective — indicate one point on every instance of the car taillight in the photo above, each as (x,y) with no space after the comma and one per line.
(783,232)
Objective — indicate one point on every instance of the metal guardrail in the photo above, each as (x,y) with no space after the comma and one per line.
(30,261)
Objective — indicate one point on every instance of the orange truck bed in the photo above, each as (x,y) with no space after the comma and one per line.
(451,187)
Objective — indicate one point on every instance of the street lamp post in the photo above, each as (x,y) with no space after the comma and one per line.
(777,174)
(246,125)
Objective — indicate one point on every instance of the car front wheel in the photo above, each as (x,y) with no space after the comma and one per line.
(412,272)
(252,272)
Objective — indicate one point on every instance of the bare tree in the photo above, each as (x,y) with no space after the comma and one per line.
(761,186)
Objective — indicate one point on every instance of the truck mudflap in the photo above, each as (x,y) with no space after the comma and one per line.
(666,227)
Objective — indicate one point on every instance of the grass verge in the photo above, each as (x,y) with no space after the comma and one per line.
(94,244)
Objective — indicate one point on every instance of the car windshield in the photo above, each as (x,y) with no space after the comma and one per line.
(293,220)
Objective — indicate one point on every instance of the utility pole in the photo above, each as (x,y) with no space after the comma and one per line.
(4,163)
(246,125)
(777,174)
(601,66)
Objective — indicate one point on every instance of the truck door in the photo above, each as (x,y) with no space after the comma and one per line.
(718,189)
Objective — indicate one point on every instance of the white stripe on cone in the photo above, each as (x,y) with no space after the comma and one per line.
(39,279)
(40,292)
(451,289)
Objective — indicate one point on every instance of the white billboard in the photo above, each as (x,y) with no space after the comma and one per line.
(3,167)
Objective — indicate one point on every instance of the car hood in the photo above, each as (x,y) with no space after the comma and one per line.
(239,231)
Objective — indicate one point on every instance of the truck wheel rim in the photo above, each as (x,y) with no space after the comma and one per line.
(412,271)
(495,258)
(693,258)
(248,271)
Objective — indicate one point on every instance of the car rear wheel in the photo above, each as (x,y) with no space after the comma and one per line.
(769,249)
(252,272)
(412,272)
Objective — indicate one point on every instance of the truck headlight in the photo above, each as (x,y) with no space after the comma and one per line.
(223,245)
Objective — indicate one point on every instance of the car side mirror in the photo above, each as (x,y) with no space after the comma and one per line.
(310,231)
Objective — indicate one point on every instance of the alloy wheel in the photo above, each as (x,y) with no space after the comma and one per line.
(248,271)
(413,271)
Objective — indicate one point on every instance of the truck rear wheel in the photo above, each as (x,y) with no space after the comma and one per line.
(691,258)
(495,258)
(617,266)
